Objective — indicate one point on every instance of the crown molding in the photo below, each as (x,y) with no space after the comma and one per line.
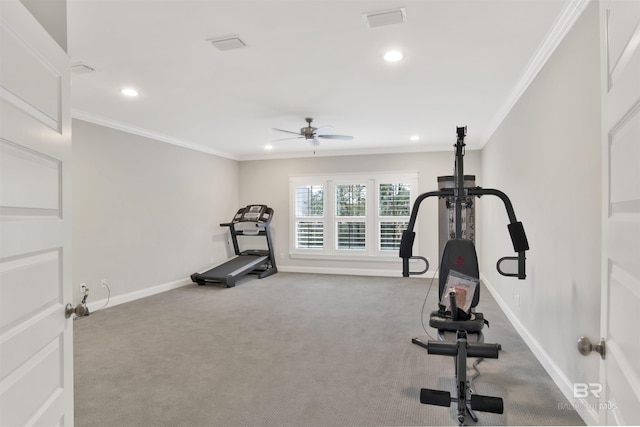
(318,152)
(565,21)
(427,148)
(124,127)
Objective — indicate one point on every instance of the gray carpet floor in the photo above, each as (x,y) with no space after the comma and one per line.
(291,350)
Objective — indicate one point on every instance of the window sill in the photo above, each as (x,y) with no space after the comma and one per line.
(347,257)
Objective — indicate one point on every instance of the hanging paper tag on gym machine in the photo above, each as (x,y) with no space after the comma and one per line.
(464,288)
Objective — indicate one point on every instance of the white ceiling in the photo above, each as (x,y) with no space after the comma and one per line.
(465,62)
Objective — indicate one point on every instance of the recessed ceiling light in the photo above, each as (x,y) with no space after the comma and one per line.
(393,56)
(268,147)
(127,91)
(415,138)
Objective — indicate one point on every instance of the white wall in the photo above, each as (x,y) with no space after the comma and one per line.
(546,157)
(146,214)
(52,15)
(267,182)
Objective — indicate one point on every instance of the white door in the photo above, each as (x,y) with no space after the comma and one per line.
(36,340)
(620,315)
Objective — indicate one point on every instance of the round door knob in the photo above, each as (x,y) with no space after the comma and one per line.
(585,347)
(79,310)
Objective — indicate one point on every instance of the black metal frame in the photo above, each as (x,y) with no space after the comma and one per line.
(262,222)
(466,401)
(256,262)
(461,195)
(461,348)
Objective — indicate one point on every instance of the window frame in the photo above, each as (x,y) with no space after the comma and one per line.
(390,218)
(330,219)
(342,218)
(307,218)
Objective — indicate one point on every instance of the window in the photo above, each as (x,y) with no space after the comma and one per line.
(353,215)
(351,200)
(309,216)
(394,201)
(351,210)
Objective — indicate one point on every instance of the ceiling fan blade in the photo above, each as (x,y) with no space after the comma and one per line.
(287,131)
(335,136)
(284,139)
(323,129)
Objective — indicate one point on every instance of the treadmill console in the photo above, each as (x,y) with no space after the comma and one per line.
(253,213)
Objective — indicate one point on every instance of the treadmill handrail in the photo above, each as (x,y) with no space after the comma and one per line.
(229,224)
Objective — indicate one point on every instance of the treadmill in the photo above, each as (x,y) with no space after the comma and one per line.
(261,263)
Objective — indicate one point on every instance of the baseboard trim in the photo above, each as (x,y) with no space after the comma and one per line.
(582,407)
(142,293)
(132,296)
(350,271)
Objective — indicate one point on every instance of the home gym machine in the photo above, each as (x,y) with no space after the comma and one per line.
(261,263)
(459,326)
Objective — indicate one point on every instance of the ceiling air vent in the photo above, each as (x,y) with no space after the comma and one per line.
(387,17)
(227,43)
(81,69)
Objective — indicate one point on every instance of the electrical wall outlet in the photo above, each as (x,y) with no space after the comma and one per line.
(103,283)
(83,288)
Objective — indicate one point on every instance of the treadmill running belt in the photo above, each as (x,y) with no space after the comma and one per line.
(232,270)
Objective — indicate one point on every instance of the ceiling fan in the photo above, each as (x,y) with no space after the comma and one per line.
(312,134)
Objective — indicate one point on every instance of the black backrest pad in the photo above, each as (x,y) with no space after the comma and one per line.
(460,255)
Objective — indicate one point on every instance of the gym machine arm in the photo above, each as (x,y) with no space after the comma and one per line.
(515,227)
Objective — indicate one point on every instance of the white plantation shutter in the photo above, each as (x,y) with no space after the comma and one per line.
(310,235)
(394,201)
(351,200)
(390,234)
(351,211)
(360,215)
(309,205)
(309,200)
(351,235)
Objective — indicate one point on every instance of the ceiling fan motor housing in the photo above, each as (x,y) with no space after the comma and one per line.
(308,132)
